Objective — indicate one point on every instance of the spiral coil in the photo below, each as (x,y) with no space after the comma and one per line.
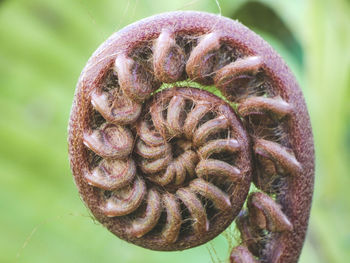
(171,169)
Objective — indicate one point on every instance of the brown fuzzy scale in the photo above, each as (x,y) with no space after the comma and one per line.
(251,74)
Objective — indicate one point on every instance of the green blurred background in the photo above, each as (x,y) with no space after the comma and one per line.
(43,47)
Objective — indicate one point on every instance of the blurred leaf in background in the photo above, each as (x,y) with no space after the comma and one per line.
(43,47)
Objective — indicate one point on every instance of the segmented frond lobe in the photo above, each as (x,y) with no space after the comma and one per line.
(171,169)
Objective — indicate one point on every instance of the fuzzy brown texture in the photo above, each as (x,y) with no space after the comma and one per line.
(122,162)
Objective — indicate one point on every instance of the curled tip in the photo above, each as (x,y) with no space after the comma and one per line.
(151,152)
(180,172)
(210,127)
(143,224)
(226,75)
(149,166)
(218,146)
(164,178)
(173,223)
(218,168)
(220,199)
(194,117)
(168,58)
(201,62)
(118,110)
(175,116)
(112,174)
(195,207)
(110,141)
(157,111)
(190,160)
(183,165)
(134,79)
(267,214)
(150,137)
(279,154)
(256,105)
(125,200)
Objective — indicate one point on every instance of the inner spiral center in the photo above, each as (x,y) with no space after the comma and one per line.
(184,134)
(185,158)
(179,146)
